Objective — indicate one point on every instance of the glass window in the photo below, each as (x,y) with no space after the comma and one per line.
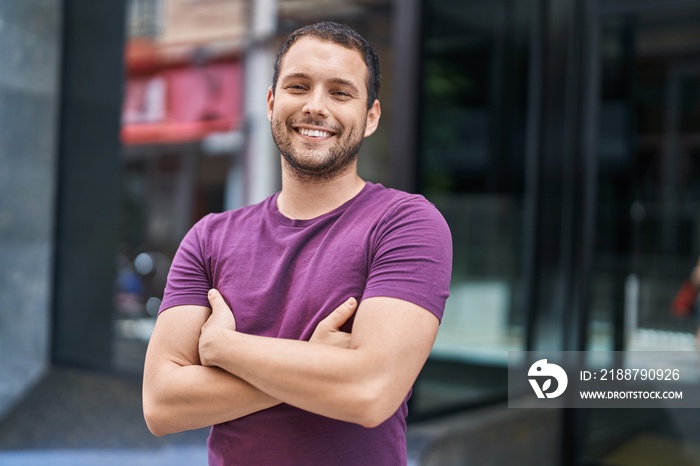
(648,235)
(648,219)
(471,165)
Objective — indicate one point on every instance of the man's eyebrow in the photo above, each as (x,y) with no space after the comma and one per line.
(346,83)
(289,76)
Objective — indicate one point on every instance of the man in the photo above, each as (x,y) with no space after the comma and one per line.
(260,332)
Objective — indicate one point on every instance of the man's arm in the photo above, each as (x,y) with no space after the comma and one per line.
(181,394)
(365,383)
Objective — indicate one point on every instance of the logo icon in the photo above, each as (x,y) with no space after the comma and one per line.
(540,376)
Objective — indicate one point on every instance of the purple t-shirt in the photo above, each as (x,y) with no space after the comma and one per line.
(283,276)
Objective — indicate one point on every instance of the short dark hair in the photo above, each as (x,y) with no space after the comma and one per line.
(342,35)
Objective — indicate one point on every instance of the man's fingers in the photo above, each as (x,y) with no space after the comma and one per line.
(328,331)
(220,311)
(216,300)
(341,314)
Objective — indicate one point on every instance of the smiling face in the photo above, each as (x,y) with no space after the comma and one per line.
(318,110)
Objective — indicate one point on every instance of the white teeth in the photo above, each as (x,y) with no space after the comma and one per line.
(314,133)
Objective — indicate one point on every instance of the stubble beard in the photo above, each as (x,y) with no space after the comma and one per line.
(311,165)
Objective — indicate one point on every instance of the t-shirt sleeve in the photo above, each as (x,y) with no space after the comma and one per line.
(412,256)
(188,279)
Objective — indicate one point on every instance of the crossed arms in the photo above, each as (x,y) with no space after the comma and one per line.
(200,371)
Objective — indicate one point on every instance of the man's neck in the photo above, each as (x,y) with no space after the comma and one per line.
(303,200)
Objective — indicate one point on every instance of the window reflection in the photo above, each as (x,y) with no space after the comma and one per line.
(649,179)
(471,159)
(648,218)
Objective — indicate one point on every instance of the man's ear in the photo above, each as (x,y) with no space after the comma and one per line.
(270,102)
(373,114)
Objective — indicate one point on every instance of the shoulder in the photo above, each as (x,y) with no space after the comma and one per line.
(222,221)
(215,230)
(404,208)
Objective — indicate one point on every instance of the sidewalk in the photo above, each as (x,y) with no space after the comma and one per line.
(172,455)
(80,418)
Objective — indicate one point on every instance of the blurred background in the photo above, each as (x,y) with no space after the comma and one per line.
(559,138)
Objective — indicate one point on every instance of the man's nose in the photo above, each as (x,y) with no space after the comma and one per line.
(316,104)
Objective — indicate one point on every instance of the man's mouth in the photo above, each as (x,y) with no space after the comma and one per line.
(314,133)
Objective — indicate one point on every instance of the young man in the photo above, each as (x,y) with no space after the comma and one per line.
(260,332)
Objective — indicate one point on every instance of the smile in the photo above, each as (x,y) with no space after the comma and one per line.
(314,133)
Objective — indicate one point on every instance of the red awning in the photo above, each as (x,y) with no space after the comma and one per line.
(183,104)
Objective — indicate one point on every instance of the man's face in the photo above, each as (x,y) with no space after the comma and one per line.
(319,110)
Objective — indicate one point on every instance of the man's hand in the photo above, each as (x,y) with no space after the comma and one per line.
(328,330)
(214,329)
(222,320)
(179,392)
(221,314)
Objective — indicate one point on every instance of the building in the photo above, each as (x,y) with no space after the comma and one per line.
(558,138)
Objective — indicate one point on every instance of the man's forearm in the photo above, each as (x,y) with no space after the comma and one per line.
(334,382)
(363,381)
(190,397)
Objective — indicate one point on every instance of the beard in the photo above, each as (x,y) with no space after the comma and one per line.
(313,165)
